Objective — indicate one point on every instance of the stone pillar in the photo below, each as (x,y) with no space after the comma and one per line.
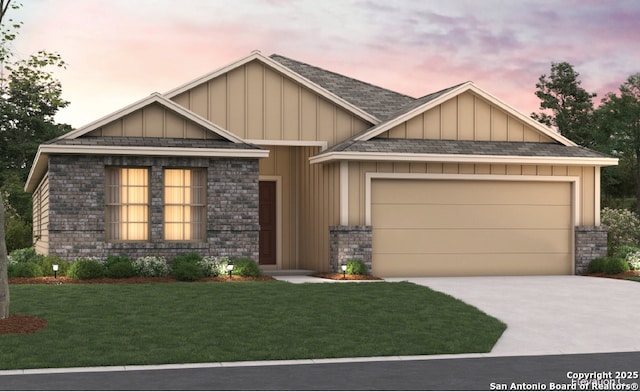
(349,242)
(591,243)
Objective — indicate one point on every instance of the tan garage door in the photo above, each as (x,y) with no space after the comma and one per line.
(466,228)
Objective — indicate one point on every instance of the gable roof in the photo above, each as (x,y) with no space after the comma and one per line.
(288,72)
(378,101)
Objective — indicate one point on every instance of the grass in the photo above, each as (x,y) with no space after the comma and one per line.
(634,278)
(137,324)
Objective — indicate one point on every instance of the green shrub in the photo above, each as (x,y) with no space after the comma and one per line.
(214,266)
(23,255)
(120,270)
(597,265)
(625,250)
(86,269)
(47,262)
(624,228)
(114,259)
(187,258)
(188,271)
(18,234)
(634,260)
(246,267)
(24,270)
(616,265)
(356,267)
(151,266)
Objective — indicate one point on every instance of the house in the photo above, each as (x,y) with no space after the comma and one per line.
(302,168)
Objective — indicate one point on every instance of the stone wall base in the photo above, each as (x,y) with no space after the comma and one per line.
(349,242)
(591,243)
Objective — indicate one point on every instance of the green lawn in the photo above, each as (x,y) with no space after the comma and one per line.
(129,324)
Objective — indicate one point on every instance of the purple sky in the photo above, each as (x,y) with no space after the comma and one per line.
(119,51)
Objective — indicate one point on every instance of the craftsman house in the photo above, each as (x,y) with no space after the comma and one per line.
(301,168)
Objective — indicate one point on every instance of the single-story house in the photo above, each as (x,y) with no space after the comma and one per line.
(298,167)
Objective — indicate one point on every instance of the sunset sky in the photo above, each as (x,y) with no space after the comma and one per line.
(119,51)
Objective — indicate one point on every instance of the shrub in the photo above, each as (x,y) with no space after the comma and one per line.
(596,265)
(47,262)
(86,268)
(246,267)
(633,259)
(23,255)
(114,259)
(24,270)
(625,250)
(151,266)
(356,267)
(120,270)
(214,266)
(616,265)
(187,258)
(624,228)
(18,234)
(188,271)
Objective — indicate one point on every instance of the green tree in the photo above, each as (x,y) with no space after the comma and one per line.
(570,105)
(29,99)
(618,117)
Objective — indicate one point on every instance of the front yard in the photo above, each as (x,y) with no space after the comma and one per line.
(160,323)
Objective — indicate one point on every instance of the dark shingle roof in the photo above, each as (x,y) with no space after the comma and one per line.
(153,142)
(469,147)
(374,100)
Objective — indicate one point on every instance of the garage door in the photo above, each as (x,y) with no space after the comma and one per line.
(466,228)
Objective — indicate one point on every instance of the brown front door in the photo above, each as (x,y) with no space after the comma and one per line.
(267,222)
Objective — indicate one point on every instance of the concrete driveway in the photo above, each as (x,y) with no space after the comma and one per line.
(552,314)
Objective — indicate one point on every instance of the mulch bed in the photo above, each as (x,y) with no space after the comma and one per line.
(624,275)
(338,276)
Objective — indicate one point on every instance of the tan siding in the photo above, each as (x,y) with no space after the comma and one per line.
(217,100)
(483,120)
(199,100)
(236,101)
(41,217)
(154,121)
(466,117)
(449,120)
(255,102)
(291,116)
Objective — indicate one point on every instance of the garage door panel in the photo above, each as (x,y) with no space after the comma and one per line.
(467,241)
(465,227)
(458,192)
(486,265)
(413,216)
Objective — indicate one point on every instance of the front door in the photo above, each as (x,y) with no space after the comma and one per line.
(267,222)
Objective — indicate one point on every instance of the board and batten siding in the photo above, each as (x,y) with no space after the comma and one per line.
(466,117)
(40,201)
(256,102)
(357,184)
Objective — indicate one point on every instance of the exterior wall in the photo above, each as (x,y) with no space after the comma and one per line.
(41,217)
(77,208)
(466,117)
(350,242)
(258,103)
(154,121)
(587,214)
(591,243)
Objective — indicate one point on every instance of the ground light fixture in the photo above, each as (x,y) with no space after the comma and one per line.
(55,271)
(230,269)
(343,266)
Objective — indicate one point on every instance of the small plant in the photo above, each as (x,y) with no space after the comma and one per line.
(151,266)
(597,265)
(633,259)
(25,255)
(115,259)
(47,262)
(356,267)
(246,267)
(188,258)
(120,270)
(616,265)
(625,250)
(24,270)
(214,266)
(188,271)
(86,268)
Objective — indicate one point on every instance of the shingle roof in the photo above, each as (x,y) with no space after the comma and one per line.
(154,142)
(377,101)
(469,147)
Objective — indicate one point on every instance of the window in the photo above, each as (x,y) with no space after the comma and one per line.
(185,211)
(127,204)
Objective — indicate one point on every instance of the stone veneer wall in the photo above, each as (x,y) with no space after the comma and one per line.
(77,207)
(591,243)
(349,242)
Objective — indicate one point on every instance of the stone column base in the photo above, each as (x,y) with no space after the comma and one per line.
(591,243)
(349,242)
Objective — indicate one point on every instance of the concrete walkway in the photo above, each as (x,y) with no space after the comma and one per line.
(552,314)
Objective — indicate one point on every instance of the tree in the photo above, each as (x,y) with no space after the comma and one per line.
(619,117)
(571,105)
(4,280)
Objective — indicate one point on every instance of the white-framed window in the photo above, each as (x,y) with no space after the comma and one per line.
(127,204)
(185,204)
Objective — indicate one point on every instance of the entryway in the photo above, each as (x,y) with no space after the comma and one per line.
(268,226)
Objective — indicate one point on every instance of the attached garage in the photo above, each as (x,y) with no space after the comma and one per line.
(450,227)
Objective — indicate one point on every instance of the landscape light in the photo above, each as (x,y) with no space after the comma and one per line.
(55,271)
(230,269)
(344,270)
